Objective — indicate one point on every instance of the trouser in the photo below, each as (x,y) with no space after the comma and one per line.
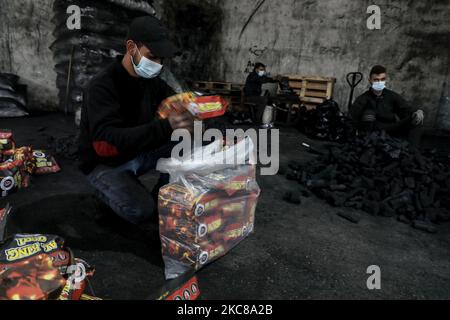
(120,188)
(401,129)
(261,103)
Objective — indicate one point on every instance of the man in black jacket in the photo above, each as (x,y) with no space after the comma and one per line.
(121,138)
(253,89)
(382,109)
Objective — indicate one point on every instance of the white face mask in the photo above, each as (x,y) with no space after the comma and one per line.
(147,68)
(261,73)
(379,86)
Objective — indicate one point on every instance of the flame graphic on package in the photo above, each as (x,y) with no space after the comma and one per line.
(33,279)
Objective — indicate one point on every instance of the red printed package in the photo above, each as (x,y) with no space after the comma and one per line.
(21,250)
(6,140)
(32,279)
(182,257)
(78,274)
(42,253)
(211,107)
(189,291)
(45,163)
(22,247)
(209,206)
(203,108)
(16,170)
(211,251)
(177,252)
(25,154)
(185,288)
(4,214)
(192,230)
(11,177)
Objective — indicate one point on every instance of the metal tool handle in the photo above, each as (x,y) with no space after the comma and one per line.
(354,79)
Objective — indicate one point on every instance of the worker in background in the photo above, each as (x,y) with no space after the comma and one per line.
(253,89)
(121,137)
(383,109)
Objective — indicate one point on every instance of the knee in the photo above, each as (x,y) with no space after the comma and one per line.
(142,212)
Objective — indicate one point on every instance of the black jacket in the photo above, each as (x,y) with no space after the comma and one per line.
(118,120)
(387,107)
(253,84)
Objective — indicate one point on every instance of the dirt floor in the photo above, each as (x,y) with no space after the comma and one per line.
(297,252)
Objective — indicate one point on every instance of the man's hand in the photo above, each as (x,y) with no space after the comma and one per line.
(183,120)
(418,118)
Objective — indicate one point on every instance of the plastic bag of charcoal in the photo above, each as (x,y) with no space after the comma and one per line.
(207,209)
(13,97)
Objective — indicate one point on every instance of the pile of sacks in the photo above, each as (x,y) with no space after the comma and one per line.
(13,97)
(17,165)
(104,26)
(382,176)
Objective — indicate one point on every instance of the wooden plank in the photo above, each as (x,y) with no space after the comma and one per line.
(318,86)
(296,85)
(330,91)
(303,92)
(312,100)
(311,78)
(316,94)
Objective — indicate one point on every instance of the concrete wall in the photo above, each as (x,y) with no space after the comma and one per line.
(196,26)
(331,38)
(328,38)
(25,37)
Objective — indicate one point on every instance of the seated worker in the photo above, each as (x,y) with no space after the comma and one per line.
(382,109)
(253,89)
(121,137)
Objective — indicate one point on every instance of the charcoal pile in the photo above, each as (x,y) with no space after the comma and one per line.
(384,177)
(326,122)
(13,96)
(104,26)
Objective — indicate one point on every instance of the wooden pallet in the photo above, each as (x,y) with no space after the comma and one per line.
(217,86)
(232,92)
(313,90)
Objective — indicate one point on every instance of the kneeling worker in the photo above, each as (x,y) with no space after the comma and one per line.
(382,109)
(121,137)
(253,89)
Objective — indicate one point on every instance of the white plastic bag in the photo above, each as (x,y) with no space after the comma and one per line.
(211,158)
